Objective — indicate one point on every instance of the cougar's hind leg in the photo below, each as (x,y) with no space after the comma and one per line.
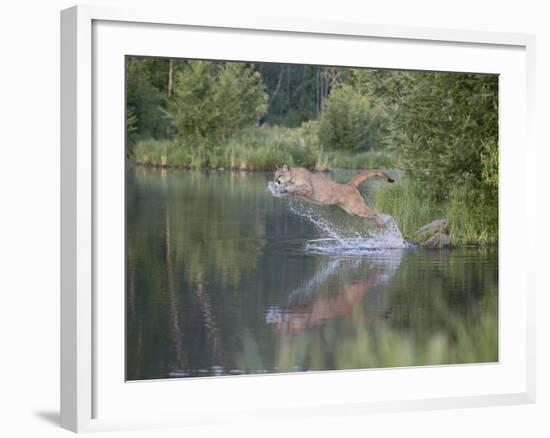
(372,216)
(362,210)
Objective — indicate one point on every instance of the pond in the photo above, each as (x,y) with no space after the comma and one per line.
(222,278)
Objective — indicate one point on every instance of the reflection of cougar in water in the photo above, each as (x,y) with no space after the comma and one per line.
(295,319)
(321,190)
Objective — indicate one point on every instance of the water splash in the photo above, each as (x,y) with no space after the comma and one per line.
(308,212)
(275,189)
(388,237)
(344,239)
(347,241)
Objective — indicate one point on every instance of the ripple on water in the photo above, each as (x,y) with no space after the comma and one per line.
(349,247)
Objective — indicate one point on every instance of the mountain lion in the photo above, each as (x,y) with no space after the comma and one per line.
(298,181)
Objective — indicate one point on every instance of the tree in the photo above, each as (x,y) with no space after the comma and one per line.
(349,121)
(444,126)
(145,99)
(210,101)
(296,92)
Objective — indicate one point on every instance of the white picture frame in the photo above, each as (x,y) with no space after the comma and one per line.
(93,397)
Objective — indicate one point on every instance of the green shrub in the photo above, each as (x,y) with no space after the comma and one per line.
(442,125)
(489,163)
(349,121)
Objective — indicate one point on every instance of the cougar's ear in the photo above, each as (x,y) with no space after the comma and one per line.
(285,167)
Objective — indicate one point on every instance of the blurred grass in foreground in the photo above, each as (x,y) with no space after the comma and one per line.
(376,344)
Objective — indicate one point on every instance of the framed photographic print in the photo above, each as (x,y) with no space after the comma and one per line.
(261,208)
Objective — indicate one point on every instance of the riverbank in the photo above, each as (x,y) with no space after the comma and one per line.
(256,148)
(471,222)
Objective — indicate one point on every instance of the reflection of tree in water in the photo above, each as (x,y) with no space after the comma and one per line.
(197,244)
(205,241)
(175,328)
(209,319)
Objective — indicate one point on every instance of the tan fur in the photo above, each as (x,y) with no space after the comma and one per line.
(301,182)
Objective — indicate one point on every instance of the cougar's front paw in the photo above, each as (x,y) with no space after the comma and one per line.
(282,188)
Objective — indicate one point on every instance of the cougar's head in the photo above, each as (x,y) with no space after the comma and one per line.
(282,175)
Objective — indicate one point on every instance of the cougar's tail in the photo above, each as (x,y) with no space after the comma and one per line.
(358,179)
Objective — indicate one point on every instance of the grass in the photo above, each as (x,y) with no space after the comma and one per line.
(473,217)
(405,202)
(473,220)
(256,148)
